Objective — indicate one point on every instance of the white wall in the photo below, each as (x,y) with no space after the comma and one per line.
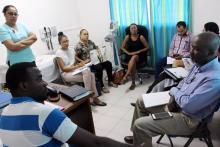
(204,11)
(36,14)
(95,17)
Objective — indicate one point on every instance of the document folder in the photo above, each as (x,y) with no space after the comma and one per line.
(72,92)
(156,99)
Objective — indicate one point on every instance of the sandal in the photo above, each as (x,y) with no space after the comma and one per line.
(124,80)
(111,84)
(132,87)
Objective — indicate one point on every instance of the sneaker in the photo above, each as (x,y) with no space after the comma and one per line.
(105,90)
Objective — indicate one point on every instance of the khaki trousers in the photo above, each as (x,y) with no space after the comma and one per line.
(144,127)
(87,77)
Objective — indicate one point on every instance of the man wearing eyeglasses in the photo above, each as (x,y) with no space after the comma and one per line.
(16,38)
(196,97)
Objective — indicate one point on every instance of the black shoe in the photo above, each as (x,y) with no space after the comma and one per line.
(100,103)
(133,104)
(132,87)
(129,139)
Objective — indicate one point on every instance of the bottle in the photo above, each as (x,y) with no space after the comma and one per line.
(111,25)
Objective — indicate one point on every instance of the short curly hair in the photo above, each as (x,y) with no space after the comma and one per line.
(212,27)
(17,73)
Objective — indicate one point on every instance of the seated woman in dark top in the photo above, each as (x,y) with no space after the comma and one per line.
(135,46)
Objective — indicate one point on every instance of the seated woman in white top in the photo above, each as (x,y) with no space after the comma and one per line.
(67,67)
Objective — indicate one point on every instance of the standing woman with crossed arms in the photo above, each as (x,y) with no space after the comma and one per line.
(16,38)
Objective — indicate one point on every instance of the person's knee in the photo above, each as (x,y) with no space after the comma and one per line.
(108,64)
(134,57)
(92,75)
(141,125)
(99,68)
(140,102)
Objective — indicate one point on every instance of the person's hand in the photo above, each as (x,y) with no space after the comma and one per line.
(172,105)
(129,53)
(177,56)
(81,64)
(134,53)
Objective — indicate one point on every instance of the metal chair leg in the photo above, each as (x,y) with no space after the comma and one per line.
(188,142)
(209,140)
(171,143)
(159,139)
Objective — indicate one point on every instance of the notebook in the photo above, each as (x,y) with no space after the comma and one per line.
(97,58)
(93,57)
(5,98)
(177,72)
(79,70)
(73,91)
(156,99)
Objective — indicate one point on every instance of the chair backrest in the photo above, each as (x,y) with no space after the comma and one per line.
(142,30)
(55,61)
(61,79)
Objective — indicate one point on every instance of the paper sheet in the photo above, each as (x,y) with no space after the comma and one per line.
(178,72)
(156,99)
(170,60)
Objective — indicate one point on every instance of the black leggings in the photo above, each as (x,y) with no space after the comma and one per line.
(98,70)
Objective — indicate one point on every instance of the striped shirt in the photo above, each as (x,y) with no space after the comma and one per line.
(181,45)
(27,123)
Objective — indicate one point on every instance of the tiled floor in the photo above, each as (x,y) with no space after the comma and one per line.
(114,120)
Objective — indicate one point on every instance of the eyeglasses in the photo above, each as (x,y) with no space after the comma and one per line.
(12,14)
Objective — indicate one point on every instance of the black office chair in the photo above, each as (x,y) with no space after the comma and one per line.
(141,68)
(202,132)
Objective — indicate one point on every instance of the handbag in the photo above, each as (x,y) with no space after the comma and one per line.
(118,76)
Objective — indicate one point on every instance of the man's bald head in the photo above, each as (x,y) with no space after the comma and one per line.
(204,47)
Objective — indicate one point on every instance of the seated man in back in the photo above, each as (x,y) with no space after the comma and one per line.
(180,46)
(28,122)
(165,82)
(195,98)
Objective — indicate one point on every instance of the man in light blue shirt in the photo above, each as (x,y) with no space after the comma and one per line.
(195,98)
(16,38)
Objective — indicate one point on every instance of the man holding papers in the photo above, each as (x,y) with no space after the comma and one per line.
(179,47)
(196,97)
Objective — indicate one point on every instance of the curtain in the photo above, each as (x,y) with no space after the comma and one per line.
(159,16)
